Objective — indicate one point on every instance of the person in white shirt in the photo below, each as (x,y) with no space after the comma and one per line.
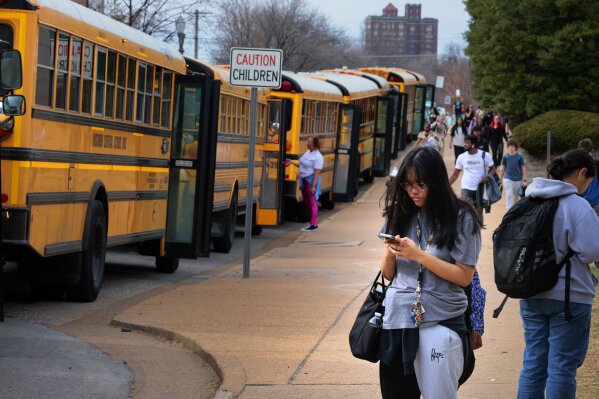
(476,164)
(310,166)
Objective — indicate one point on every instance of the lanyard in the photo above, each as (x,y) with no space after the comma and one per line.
(417,306)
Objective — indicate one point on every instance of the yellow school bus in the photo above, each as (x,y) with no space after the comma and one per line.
(414,103)
(232,149)
(303,107)
(119,147)
(386,117)
(355,154)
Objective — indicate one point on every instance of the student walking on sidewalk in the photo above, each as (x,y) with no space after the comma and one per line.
(556,347)
(436,246)
(512,174)
(475,163)
(310,165)
(457,135)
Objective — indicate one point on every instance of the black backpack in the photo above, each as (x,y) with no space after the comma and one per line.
(523,252)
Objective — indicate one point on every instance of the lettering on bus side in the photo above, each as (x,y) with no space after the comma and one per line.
(109,141)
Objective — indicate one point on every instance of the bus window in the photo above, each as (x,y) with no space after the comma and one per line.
(45,67)
(88,64)
(6,39)
(110,82)
(185,142)
(62,70)
(141,87)
(157,87)
(167,87)
(148,94)
(76,53)
(130,89)
(120,86)
(100,80)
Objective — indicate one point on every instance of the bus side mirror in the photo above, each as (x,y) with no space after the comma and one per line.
(13,105)
(11,76)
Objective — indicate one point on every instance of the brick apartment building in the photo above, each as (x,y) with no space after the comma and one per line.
(410,34)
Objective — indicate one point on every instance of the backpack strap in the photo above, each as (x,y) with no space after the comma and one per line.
(567,310)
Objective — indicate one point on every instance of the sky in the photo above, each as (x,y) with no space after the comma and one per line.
(349,15)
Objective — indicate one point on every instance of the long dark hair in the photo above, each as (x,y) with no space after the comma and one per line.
(441,206)
(568,163)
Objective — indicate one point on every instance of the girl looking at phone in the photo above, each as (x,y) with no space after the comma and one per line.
(436,247)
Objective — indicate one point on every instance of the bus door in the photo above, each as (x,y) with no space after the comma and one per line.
(270,205)
(402,121)
(419,111)
(382,136)
(429,99)
(192,163)
(395,98)
(347,166)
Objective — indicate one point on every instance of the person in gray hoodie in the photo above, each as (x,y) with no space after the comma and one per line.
(555,347)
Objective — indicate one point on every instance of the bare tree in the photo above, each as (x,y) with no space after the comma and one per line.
(308,40)
(154,17)
(455,67)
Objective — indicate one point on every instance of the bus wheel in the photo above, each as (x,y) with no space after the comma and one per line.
(92,258)
(303,215)
(369,178)
(167,264)
(228,219)
(326,202)
(256,228)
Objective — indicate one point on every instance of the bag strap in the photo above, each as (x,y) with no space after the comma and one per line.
(500,307)
(567,310)
(381,283)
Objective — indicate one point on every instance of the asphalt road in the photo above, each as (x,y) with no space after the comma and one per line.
(62,349)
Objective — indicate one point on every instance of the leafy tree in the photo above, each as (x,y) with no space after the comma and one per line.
(308,40)
(530,56)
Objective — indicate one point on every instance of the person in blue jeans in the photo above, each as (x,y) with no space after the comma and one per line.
(556,347)
(512,173)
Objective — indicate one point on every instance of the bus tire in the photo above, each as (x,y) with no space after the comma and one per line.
(228,219)
(369,177)
(92,258)
(167,264)
(326,202)
(256,228)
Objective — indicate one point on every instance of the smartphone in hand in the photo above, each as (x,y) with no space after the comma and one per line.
(389,237)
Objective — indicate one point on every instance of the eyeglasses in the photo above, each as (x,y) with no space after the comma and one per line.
(411,186)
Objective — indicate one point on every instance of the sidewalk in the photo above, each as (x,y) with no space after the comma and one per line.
(282,333)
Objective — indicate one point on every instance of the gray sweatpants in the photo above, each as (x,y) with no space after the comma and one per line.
(439,362)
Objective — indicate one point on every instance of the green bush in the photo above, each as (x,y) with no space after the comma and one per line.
(567,129)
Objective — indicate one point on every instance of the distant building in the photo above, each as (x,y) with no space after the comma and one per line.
(390,34)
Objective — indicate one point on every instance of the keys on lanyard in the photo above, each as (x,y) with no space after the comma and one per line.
(417,306)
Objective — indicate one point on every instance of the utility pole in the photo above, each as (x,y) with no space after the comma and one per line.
(197,30)
(195,38)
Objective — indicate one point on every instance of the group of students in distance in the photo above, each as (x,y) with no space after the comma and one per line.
(425,339)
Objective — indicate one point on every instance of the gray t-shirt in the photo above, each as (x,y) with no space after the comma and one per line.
(441,299)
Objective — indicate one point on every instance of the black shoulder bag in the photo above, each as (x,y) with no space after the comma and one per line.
(364,337)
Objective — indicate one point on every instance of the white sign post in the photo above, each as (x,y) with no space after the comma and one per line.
(440,81)
(254,67)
